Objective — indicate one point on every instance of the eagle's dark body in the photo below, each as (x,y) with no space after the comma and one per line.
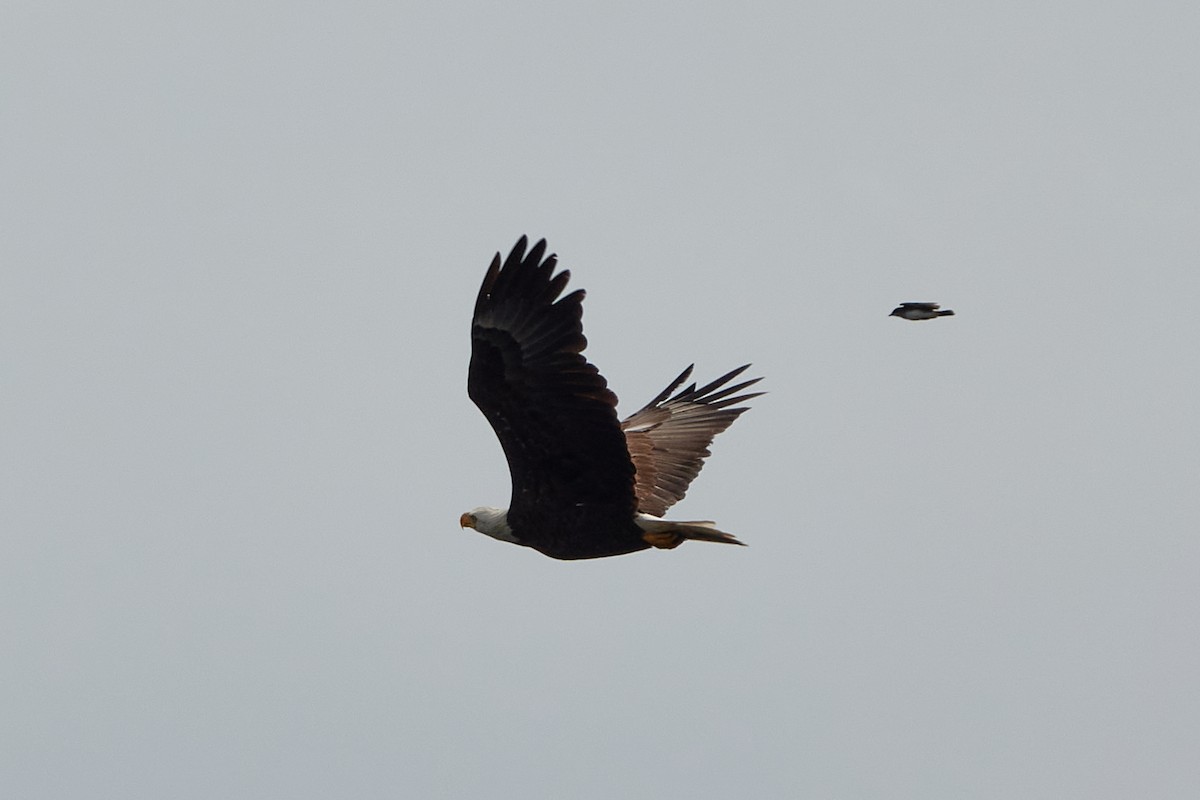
(575,488)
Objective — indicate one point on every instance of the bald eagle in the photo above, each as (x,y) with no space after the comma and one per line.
(584,485)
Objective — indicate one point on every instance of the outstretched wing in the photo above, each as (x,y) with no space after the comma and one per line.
(550,408)
(668,440)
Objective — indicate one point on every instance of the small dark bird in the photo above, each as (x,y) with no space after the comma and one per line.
(920,311)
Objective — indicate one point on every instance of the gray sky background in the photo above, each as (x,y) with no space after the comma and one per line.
(240,247)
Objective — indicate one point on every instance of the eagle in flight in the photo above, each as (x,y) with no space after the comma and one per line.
(584,483)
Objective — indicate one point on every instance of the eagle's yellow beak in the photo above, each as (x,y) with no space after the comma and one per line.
(466,521)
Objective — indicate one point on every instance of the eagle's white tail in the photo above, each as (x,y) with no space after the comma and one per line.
(669,533)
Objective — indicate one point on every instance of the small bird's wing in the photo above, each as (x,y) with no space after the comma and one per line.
(550,408)
(921,306)
(668,439)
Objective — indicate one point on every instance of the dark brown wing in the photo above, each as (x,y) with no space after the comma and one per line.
(550,408)
(668,440)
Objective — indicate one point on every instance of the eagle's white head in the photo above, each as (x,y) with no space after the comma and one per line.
(490,521)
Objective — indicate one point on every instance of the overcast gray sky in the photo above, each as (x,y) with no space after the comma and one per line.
(240,247)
